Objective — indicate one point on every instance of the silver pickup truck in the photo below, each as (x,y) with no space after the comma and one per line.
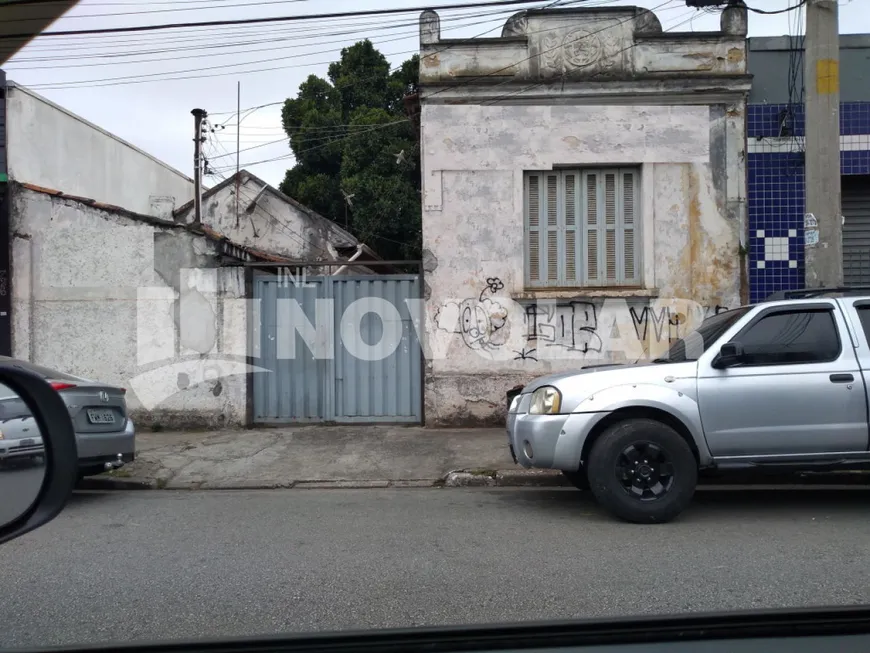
(781,383)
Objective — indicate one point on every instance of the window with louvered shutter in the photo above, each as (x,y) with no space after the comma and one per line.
(582,228)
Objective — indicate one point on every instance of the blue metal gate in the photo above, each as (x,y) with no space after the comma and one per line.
(337,349)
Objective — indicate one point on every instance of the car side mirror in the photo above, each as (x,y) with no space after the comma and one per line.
(731,353)
(38,455)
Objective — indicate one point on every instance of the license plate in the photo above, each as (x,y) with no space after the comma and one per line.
(101,416)
(25,443)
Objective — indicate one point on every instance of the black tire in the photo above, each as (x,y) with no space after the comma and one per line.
(642,471)
(578,479)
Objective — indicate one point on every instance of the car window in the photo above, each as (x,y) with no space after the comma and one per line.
(698,341)
(864,316)
(790,337)
(7,393)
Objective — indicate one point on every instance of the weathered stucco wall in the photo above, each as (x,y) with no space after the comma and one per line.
(118,299)
(49,146)
(272,223)
(574,88)
(486,331)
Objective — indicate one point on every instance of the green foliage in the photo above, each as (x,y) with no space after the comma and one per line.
(350,133)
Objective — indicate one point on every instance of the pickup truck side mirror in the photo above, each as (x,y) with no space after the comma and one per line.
(731,353)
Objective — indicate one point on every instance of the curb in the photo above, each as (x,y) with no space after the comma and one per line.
(110,483)
(506,478)
(463,478)
(457,478)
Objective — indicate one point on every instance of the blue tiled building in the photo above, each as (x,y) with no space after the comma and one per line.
(775,151)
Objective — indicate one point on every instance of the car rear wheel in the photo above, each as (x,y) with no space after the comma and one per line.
(578,479)
(642,471)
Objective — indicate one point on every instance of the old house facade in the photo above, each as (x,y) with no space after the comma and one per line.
(583,195)
(112,279)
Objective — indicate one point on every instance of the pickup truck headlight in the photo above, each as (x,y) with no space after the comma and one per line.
(515,403)
(546,401)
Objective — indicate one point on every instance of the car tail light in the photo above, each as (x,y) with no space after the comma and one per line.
(58,385)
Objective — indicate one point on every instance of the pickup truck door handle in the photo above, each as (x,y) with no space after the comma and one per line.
(842,378)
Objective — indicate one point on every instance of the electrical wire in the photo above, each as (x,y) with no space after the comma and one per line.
(766,12)
(291,155)
(395,68)
(283,157)
(150,77)
(160,11)
(265,20)
(114,56)
(117,4)
(158,77)
(451,87)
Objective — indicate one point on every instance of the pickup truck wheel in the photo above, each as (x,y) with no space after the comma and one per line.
(578,479)
(642,471)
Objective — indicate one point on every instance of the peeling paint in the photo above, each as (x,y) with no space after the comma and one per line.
(735,55)
(496,335)
(430,261)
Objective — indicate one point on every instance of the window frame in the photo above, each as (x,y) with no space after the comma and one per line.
(581,229)
(858,307)
(786,310)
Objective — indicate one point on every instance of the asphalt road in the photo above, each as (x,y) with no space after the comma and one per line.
(164,565)
(20,482)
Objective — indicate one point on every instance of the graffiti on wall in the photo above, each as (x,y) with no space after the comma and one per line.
(493,285)
(481,323)
(572,326)
(584,329)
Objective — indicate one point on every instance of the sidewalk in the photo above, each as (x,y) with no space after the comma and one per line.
(321,456)
(354,456)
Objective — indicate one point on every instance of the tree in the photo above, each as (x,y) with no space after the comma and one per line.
(351,137)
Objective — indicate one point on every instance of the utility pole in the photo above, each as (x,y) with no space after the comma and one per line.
(823,221)
(238,141)
(198,139)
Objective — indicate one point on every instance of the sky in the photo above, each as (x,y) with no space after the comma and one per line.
(165,74)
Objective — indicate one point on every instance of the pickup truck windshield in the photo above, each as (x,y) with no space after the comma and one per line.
(698,341)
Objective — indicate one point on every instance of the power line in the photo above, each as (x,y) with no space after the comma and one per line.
(158,77)
(116,4)
(271,19)
(464,83)
(160,11)
(209,41)
(137,79)
(372,128)
(767,12)
(115,56)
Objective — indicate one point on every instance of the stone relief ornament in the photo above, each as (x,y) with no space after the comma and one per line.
(581,48)
(580,51)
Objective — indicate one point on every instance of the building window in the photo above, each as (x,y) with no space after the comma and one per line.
(582,228)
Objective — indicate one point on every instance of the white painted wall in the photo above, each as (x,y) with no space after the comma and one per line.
(50,147)
(95,293)
(479,335)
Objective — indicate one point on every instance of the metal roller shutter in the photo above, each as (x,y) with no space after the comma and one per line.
(856,230)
